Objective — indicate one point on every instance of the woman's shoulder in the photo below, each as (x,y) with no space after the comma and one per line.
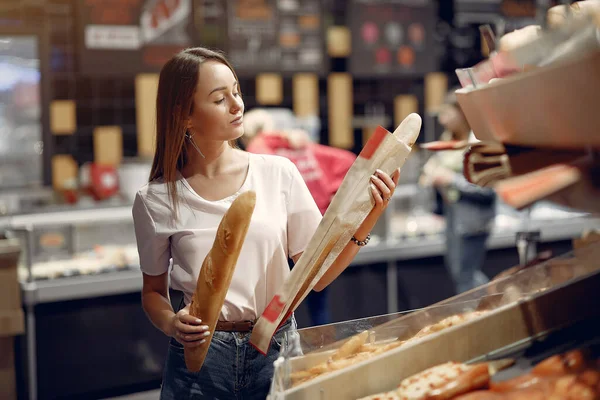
(154,195)
(156,187)
(271,162)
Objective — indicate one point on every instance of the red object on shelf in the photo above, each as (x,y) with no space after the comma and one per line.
(103,181)
(70,196)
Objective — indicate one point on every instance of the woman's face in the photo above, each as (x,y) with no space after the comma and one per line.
(218,106)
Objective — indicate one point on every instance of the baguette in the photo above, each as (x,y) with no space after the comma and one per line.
(217,270)
(519,37)
(351,347)
(557,15)
(313,272)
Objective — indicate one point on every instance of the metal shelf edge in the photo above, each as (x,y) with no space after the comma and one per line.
(81,287)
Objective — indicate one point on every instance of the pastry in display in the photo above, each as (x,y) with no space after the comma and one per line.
(217,271)
(352,352)
(588,238)
(393,395)
(351,347)
(571,375)
(442,382)
(100,259)
(356,349)
(447,323)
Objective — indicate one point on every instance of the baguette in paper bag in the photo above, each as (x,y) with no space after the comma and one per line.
(217,271)
(348,209)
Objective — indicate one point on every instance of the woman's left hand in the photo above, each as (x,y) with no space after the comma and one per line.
(382,188)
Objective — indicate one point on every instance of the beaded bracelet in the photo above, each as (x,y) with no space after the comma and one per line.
(361,243)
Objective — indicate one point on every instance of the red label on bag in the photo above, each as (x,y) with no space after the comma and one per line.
(273,309)
(373,143)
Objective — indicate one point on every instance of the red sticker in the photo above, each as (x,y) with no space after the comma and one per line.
(273,309)
(373,143)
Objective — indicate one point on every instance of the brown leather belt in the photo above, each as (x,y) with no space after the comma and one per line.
(238,326)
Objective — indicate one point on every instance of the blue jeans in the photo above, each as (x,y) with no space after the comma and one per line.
(318,307)
(465,256)
(233,369)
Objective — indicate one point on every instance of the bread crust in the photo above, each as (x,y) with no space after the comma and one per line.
(217,271)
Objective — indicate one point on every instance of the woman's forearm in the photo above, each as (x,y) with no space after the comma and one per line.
(159,310)
(382,190)
(347,255)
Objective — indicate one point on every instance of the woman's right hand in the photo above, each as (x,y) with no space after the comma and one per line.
(188,330)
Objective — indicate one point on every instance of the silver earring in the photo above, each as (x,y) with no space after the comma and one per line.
(189,137)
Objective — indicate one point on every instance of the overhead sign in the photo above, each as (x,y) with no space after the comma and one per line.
(131,36)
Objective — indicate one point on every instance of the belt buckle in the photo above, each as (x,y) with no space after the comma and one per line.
(244,326)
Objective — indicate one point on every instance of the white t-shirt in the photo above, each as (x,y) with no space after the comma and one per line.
(284,220)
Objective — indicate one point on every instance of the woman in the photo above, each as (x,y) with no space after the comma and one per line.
(196,174)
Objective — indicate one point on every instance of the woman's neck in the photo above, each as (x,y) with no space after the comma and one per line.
(218,157)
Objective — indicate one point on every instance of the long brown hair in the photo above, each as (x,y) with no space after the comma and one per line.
(174,104)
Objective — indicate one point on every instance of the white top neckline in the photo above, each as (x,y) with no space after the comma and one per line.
(284,219)
(227,199)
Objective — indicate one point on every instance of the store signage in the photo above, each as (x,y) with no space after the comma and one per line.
(131,36)
(392,37)
(276,36)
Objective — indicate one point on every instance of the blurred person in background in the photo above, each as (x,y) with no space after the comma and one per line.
(469,210)
(323,168)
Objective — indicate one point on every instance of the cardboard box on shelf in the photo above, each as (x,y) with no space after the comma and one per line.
(10,293)
(12,323)
(8,386)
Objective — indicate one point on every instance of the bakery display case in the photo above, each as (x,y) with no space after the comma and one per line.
(85,282)
(80,283)
(67,242)
(357,358)
(529,313)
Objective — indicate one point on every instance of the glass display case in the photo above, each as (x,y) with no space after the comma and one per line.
(67,242)
(80,284)
(361,357)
